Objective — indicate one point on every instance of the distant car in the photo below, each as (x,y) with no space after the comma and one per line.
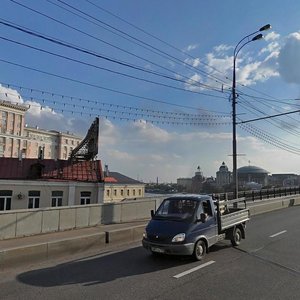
(190,224)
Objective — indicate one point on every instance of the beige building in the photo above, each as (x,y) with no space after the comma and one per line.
(20,140)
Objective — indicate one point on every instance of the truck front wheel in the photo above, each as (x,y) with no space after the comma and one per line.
(200,250)
(236,237)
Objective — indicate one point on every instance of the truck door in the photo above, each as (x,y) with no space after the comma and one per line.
(209,229)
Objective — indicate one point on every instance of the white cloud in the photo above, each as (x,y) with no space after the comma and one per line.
(272,36)
(9,94)
(289,59)
(191,47)
(222,49)
(193,62)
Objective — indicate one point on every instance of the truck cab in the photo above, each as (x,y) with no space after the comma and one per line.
(187,225)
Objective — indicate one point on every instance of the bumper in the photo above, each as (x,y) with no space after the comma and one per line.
(181,249)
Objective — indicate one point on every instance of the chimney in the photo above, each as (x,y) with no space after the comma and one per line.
(106,172)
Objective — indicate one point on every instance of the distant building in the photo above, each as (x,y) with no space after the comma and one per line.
(197,181)
(223,176)
(252,174)
(184,184)
(19,140)
(119,187)
(284,180)
(192,185)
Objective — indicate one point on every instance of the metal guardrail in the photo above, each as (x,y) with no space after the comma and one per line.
(261,194)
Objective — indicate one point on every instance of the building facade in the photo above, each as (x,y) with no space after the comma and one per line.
(41,183)
(19,140)
(253,174)
(223,176)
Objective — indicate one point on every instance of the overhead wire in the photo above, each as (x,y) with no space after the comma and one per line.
(190,80)
(173,47)
(60,102)
(61,43)
(204,113)
(61,1)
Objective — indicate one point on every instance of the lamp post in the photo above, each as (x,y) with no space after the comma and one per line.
(243,42)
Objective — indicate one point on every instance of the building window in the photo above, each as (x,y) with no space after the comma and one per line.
(107,193)
(127,192)
(5,200)
(85,198)
(140,192)
(33,199)
(56,199)
(133,192)
(122,192)
(115,192)
(2,146)
(65,154)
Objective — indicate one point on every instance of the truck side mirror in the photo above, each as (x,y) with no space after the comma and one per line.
(152,213)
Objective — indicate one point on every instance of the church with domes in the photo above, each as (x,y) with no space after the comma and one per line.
(223,176)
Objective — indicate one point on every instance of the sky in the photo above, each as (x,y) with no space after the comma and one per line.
(159,76)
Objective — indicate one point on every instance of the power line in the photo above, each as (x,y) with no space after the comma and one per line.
(61,43)
(98,86)
(119,48)
(104,69)
(129,110)
(173,47)
(130,40)
(205,113)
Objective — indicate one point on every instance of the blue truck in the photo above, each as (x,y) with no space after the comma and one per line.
(189,224)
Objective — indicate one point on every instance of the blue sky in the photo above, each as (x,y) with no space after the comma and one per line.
(158,73)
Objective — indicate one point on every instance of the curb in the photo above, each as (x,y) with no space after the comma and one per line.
(36,253)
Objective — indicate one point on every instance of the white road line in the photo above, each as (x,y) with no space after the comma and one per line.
(194,269)
(278,233)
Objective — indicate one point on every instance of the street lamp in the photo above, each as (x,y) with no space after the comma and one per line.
(243,42)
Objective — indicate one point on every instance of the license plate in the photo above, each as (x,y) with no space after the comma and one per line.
(157,250)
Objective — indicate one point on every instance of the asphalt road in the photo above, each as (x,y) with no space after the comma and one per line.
(265,266)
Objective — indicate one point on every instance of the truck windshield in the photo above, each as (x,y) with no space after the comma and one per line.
(179,209)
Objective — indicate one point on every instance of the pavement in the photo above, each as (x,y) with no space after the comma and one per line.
(43,247)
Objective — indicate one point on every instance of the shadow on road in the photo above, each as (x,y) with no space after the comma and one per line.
(94,270)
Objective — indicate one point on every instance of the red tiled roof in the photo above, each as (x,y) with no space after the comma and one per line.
(49,169)
(115,177)
(110,179)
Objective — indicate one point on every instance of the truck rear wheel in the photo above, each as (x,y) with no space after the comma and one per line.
(200,250)
(236,237)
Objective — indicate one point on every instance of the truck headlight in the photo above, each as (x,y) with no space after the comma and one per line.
(145,235)
(178,238)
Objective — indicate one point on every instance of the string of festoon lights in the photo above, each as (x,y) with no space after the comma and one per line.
(65,104)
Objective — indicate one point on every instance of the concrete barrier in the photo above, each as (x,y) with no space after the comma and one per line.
(274,204)
(23,255)
(125,235)
(76,245)
(25,222)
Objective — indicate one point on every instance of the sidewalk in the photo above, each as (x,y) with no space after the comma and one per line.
(37,248)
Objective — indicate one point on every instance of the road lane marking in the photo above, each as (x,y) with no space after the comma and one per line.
(193,269)
(278,233)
